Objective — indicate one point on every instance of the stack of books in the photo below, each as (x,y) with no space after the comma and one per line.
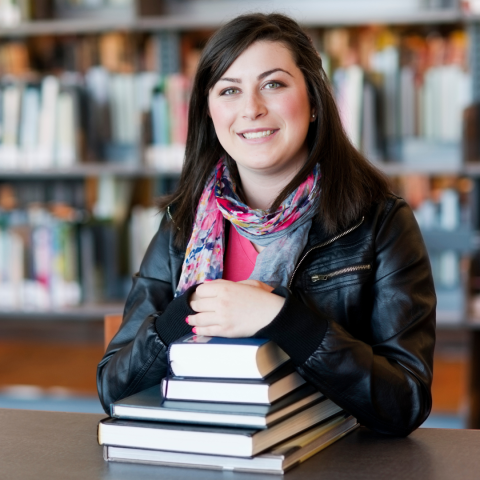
(235,404)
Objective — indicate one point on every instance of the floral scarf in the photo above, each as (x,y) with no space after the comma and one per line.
(284,232)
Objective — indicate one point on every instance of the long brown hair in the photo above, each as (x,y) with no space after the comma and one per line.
(350,184)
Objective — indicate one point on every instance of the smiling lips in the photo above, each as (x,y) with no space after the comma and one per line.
(258,134)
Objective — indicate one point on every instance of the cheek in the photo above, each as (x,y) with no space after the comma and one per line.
(295,111)
(222,118)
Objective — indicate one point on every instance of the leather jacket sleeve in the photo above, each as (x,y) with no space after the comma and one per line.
(136,358)
(386,381)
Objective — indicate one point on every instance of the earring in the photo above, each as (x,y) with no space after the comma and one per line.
(313,115)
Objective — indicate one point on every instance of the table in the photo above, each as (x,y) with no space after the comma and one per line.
(63,446)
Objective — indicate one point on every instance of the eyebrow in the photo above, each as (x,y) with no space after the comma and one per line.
(260,77)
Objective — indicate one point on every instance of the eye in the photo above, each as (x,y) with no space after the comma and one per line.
(272,85)
(229,91)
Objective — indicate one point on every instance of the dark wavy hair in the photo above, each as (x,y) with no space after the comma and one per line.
(350,184)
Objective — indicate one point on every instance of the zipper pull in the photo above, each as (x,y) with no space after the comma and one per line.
(317,278)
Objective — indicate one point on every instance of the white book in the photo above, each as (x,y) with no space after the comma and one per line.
(65,144)
(48,122)
(12,95)
(218,357)
(275,461)
(407,102)
(150,405)
(29,126)
(261,392)
(209,439)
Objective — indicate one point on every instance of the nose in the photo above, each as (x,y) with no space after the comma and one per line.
(254,106)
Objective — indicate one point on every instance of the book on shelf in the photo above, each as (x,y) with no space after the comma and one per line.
(41,123)
(91,102)
(415,104)
(38,254)
(277,460)
(216,357)
(150,405)
(265,391)
(208,439)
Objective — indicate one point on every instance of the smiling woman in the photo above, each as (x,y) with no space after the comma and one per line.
(261,114)
(281,229)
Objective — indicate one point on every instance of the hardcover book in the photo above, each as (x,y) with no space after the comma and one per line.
(260,391)
(149,405)
(218,357)
(206,439)
(275,461)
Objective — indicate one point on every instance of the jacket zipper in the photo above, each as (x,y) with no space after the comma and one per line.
(327,276)
(324,244)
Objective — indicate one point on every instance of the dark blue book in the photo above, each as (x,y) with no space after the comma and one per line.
(233,390)
(218,357)
(150,405)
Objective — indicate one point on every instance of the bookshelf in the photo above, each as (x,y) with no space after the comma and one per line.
(187,16)
(201,15)
(140,180)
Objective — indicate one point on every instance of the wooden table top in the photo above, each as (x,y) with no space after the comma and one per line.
(56,445)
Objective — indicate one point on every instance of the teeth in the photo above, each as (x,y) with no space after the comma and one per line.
(265,133)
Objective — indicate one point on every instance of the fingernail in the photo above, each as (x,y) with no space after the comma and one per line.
(194,329)
(187,320)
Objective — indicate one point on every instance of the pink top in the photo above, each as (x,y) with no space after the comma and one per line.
(240,257)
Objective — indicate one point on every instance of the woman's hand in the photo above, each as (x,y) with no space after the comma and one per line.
(231,309)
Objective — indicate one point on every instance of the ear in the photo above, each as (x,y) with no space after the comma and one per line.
(313,115)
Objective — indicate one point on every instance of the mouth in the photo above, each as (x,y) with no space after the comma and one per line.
(260,134)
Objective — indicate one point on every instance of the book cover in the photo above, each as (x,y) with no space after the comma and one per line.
(202,356)
(150,405)
(210,439)
(261,391)
(275,461)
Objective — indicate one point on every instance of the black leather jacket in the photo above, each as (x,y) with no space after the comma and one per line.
(358,320)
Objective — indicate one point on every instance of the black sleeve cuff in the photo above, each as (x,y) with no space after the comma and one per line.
(170,325)
(297,330)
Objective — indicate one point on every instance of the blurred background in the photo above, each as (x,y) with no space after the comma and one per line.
(93,113)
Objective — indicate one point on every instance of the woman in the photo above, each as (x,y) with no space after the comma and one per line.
(295,238)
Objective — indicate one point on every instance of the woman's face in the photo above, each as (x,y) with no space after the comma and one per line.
(261,111)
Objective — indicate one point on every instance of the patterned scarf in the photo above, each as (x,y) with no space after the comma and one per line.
(284,232)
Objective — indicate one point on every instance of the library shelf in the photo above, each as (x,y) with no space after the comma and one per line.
(469,169)
(127,170)
(65,27)
(316,17)
(123,170)
(86,170)
(462,240)
(472,169)
(394,169)
(198,15)
(81,313)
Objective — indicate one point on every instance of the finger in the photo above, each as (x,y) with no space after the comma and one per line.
(257,284)
(211,331)
(253,283)
(202,320)
(206,289)
(193,297)
(206,304)
(211,288)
